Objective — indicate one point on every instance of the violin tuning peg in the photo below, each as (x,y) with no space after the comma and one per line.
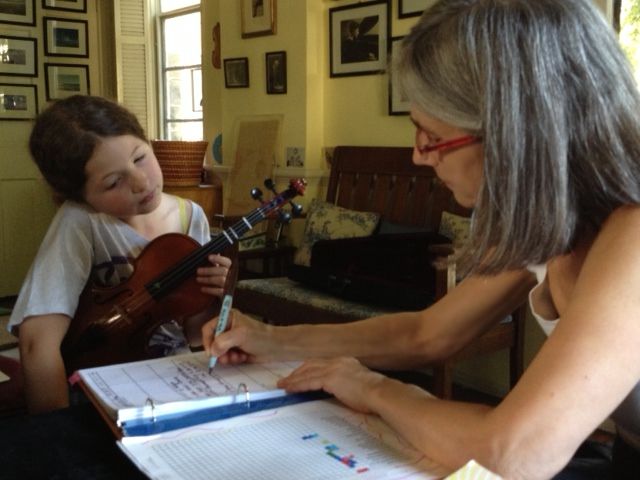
(296,209)
(256,193)
(269,184)
(284,217)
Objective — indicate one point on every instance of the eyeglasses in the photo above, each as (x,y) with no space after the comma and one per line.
(456,142)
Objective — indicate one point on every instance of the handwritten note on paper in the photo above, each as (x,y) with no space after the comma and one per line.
(319,440)
(177,378)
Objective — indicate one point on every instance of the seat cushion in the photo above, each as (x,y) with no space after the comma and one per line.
(287,289)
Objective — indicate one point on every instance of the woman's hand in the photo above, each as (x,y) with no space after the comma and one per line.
(345,378)
(246,340)
(212,278)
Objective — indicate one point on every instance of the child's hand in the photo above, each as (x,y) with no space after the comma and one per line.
(212,278)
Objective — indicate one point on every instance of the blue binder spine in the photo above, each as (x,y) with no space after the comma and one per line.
(157,424)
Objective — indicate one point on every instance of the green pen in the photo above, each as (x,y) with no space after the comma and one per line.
(222,324)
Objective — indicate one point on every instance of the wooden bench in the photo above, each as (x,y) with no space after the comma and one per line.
(383,180)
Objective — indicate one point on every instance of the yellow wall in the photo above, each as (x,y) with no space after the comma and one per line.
(26,207)
(317,111)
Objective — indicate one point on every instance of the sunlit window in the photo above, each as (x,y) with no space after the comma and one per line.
(629,25)
(181,69)
(169,5)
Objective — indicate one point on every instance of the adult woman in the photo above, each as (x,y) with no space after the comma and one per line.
(527,110)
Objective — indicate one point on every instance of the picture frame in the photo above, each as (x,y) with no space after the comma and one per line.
(63,80)
(412,8)
(65,38)
(236,72)
(18,102)
(358,36)
(397,104)
(18,12)
(79,6)
(18,56)
(276,72)
(257,17)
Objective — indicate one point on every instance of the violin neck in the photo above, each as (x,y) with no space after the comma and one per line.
(164,283)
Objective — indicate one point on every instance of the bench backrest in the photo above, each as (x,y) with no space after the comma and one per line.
(384,180)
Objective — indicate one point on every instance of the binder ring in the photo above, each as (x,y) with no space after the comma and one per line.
(247,395)
(153,409)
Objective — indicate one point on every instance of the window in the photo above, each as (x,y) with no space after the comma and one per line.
(181,69)
(627,20)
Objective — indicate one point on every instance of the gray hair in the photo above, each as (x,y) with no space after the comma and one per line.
(547,87)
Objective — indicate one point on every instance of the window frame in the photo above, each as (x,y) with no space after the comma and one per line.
(161,17)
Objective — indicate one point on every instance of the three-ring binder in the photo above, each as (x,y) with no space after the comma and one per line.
(247,395)
(153,409)
(159,418)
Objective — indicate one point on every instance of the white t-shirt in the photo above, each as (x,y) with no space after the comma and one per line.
(80,242)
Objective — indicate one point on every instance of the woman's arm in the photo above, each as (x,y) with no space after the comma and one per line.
(586,368)
(45,378)
(392,341)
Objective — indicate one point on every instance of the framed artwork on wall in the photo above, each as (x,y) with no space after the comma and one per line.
(18,56)
(412,8)
(276,69)
(358,36)
(18,12)
(18,102)
(258,17)
(398,105)
(65,38)
(67,5)
(63,80)
(236,72)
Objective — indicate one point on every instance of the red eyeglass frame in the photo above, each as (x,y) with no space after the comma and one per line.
(456,142)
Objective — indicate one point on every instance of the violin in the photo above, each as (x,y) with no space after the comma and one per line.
(114,324)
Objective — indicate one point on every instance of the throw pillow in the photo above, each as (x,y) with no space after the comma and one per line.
(326,221)
(455,227)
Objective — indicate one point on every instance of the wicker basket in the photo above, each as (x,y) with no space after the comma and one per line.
(180,161)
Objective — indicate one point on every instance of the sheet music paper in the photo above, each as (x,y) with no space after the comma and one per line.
(315,440)
(177,378)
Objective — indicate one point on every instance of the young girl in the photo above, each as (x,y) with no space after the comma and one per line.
(96,158)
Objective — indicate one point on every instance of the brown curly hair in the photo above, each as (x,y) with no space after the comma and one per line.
(66,134)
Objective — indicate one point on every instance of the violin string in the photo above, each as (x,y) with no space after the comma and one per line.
(198,256)
(193,260)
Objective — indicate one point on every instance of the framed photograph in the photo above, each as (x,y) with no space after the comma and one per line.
(66,5)
(18,56)
(65,38)
(358,36)
(18,102)
(276,68)
(412,8)
(63,80)
(18,12)
(236,72)
(398,105)
(258,17)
